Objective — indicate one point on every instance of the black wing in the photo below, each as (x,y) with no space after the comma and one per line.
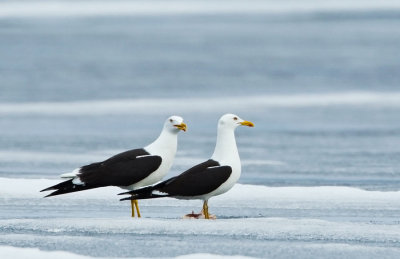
(120,170)
(198,180)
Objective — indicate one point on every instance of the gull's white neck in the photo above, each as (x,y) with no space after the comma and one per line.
(165,145)
(225,150)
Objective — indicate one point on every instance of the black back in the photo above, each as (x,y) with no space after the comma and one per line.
(198,180)
(123,169)
(120,170)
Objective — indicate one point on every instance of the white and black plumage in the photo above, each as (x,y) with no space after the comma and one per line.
(210,178)
(129,170)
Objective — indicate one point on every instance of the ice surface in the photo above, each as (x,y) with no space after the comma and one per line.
(18,188)
(257,221)
(8,252)
(151,106)
(323,118)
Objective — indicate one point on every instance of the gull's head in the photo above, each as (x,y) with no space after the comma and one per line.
(175,124)
(232,121)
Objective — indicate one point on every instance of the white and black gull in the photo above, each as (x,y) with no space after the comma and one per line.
(130,169)
(210,178)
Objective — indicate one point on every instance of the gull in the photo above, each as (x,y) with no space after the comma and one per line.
(130,169)
(205,180)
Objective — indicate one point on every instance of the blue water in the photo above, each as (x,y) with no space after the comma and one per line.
(201,56)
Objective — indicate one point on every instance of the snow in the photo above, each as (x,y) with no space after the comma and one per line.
(16,253)
(32,253)
(170,105)
(213,256)
(255,221)
(254,194)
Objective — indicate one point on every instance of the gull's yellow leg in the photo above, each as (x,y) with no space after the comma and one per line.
(205,209)
(137,208)
(133,208)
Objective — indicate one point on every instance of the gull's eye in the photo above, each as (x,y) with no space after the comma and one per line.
(171,120)
(235,118)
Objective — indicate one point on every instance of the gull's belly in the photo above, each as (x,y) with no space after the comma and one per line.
(226,186)
(154,177)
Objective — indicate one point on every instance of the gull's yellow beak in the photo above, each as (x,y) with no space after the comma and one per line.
(247,123)
(181,126)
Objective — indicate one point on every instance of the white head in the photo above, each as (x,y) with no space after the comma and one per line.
(225,148)
(175,124)
(232,121)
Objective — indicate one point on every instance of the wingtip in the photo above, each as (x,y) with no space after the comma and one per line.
(126,199)
(124,193)
(57,192)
